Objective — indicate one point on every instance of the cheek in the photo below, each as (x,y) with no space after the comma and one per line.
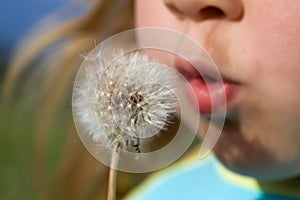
(152,14)
(275,38)
(274,67)
(275,54)
(266,57)
(269,51)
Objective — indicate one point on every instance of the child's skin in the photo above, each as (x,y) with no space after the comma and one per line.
(256,46)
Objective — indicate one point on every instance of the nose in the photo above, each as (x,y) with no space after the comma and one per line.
(203,9)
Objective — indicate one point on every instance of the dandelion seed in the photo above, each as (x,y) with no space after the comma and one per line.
(131,98)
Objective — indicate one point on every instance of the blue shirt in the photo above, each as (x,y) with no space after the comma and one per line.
(208,179)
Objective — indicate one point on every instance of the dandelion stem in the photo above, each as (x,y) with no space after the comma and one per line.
(112,180)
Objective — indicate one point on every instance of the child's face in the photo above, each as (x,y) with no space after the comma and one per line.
(256,46)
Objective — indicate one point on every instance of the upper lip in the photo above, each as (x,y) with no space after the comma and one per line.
(194,69)
(200,69)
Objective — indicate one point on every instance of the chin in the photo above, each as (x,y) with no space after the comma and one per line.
(249,154)
(253,162)
(275,174)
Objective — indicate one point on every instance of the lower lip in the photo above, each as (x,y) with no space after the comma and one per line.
(210,98)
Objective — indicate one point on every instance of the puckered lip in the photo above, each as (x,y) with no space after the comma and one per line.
(198,69)
(211,88)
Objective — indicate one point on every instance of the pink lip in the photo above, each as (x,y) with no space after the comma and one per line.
(209,92)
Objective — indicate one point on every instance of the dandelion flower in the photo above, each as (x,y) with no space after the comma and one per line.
(121,101)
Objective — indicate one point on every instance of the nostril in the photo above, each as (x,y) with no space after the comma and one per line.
(210,12)
(196,12)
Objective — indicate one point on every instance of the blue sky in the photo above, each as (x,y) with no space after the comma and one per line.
(18,16)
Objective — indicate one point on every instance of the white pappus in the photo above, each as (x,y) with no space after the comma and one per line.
(119,100)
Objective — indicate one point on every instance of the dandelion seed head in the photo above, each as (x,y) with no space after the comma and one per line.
(120,102)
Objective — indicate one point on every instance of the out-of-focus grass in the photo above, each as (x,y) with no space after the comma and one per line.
(16,173)
(18,148)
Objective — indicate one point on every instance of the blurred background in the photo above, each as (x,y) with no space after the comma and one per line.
(17,18)
(41,156)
